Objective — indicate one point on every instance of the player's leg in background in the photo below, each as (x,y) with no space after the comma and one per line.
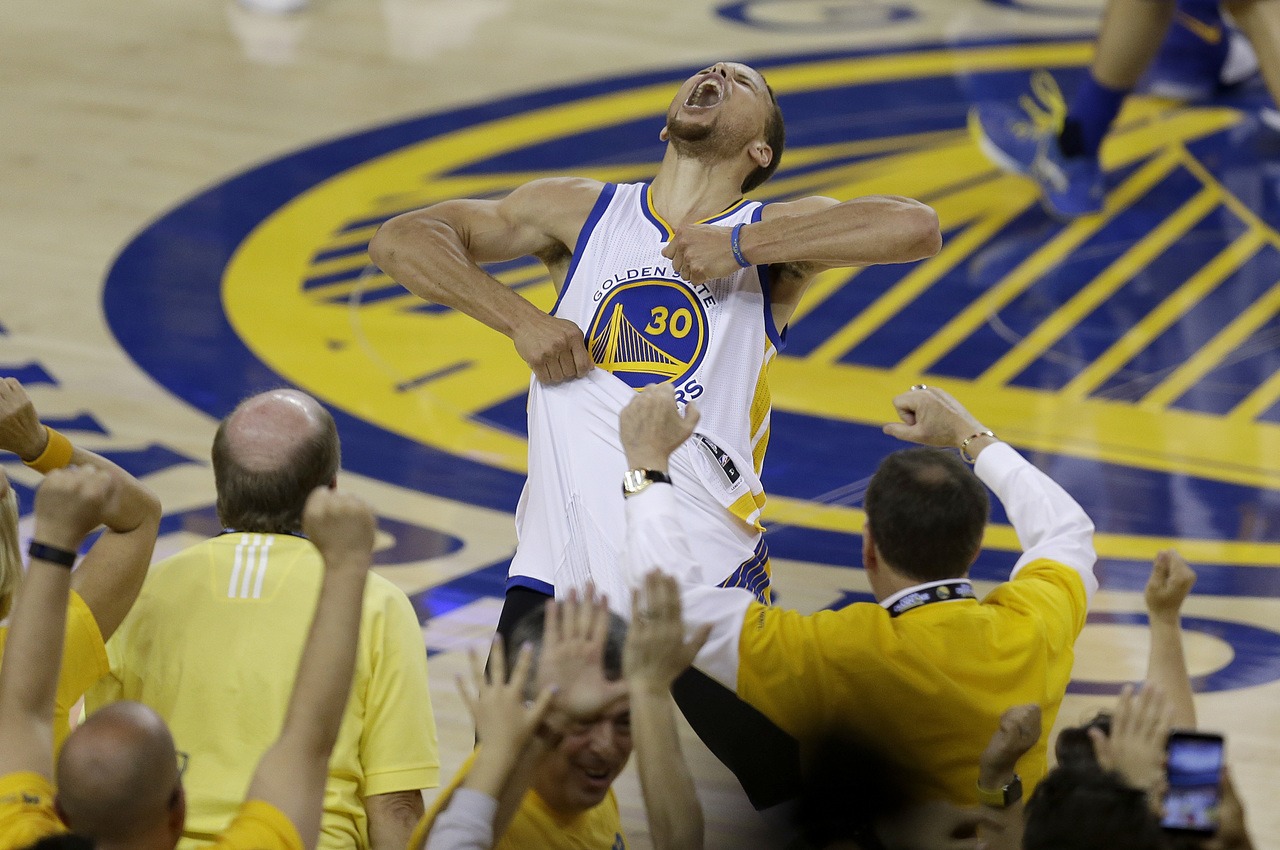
(1191,64)
(1128,41)
(765,760)
(1259,20)
(1056,143)
(518,602)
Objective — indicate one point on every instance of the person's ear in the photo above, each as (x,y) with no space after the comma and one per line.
(178,812)
(663,135)
(761,154)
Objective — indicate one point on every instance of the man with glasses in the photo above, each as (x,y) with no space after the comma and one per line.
(119,776)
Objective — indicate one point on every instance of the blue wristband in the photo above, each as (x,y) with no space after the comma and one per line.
(737,248)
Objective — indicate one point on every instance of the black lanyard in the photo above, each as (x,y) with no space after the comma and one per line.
(957,589)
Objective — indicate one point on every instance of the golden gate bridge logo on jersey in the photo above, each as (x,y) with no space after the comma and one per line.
(649,331)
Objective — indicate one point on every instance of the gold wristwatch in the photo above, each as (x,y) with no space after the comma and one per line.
(635,480)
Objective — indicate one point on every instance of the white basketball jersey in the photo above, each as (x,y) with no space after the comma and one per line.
(644,325)
(714,341)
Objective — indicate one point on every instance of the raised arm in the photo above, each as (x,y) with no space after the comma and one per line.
(435,253)
(291,774)
(832,234)
(1135,746)
(69,504)
(111,574)
(506,724)
(997,771)
(798,239)
(1171,580)
(1049,523)
(656,653)
(651,428)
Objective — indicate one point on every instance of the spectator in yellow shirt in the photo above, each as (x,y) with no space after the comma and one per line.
(106,583)
(119,775)
(217,631)
(519,729)
(930,668)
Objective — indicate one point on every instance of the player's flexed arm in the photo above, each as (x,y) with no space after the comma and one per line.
(800,238)
(435,253)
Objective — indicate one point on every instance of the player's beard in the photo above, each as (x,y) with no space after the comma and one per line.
(689,132)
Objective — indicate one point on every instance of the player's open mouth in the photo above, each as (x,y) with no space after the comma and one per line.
(706,94)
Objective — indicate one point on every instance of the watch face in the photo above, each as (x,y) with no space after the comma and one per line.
(1013,791)
(1002,797)
(635,480)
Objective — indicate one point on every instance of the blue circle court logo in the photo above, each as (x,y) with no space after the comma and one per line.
(648,331)
(1150,330)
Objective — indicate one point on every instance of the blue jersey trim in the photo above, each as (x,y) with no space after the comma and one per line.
(753,574)
(665,229)
(588,227)
(646,207)
(779,340)
(532,584)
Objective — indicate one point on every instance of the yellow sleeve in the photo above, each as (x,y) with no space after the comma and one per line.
(26,810)
(1053,594)
(786,659)
(84,662)
(398,749)
(258,825)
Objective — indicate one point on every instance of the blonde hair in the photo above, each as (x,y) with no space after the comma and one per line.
(10,554)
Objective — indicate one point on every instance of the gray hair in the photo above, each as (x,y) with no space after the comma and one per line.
(529,630)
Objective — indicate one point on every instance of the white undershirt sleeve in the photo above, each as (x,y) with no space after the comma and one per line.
(656,540)
(1049,523)
(466,824)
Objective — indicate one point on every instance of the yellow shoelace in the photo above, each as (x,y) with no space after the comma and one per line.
(1046,116)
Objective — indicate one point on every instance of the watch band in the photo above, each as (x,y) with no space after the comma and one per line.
(1003,797)
(635,480)
(964,447)
(52,554)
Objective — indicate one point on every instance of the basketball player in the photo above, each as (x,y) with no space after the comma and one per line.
(681,281)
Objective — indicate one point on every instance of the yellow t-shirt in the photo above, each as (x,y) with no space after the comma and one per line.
(27,815)
(537,826)
(933,680)
(213,645)
(84,662)
(26,810)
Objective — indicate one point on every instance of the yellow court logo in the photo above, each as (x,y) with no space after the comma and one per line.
(1010,314)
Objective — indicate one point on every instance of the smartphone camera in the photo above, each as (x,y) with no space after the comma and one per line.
(1195,783)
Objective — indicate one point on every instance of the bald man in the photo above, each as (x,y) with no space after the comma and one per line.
(119,776)
(216,634)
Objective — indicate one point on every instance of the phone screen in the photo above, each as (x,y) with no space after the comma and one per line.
(1195,776)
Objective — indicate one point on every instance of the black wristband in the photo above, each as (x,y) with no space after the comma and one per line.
(52,554)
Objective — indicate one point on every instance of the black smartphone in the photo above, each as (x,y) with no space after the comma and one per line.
(1195,783)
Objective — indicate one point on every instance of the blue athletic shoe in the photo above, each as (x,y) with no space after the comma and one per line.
(1025,141)
(1072,186)
(1190,58)
(1005,135)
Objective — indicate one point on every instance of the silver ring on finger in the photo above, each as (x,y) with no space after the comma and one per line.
(919,386)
